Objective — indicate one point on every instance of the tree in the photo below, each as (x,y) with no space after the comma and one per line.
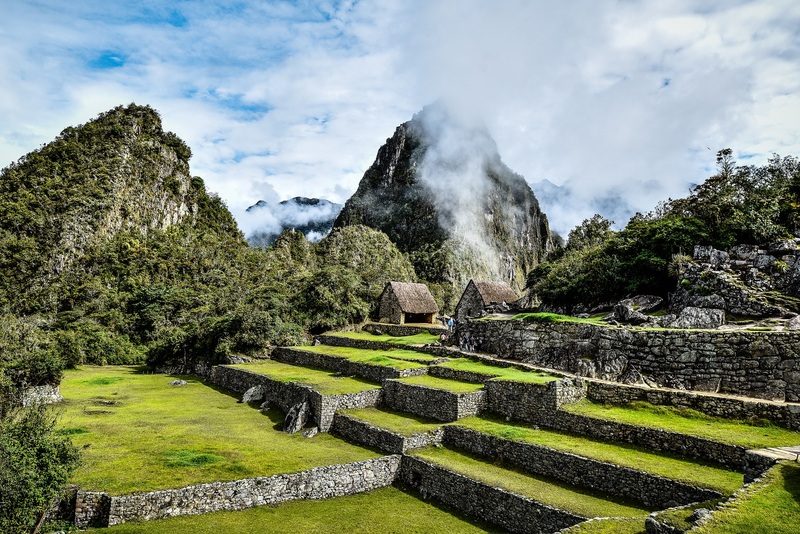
(590,233)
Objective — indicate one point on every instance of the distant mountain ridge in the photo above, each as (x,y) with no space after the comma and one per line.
(440,191)
(313,217)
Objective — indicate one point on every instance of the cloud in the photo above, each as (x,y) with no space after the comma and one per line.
(608,99)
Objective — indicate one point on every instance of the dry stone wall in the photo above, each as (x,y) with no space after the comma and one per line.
(401,330)
(318,483)
(651,490)
(376,373)
(285,395)
(476,499)
(363,433)
(526,401)
(433,403)
(763,365)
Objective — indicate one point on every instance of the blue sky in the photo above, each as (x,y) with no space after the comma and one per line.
(615,100)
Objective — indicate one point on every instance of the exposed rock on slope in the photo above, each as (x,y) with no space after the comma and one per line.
(439,190)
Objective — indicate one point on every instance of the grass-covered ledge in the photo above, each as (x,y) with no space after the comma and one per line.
(322,381)
(139,433)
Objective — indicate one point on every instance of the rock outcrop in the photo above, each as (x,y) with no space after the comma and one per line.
(439,190)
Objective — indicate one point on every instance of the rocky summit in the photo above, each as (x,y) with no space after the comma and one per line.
(440,191)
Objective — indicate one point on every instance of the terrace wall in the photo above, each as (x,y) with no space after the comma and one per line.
(286,394)
(756,364)
(363,433)
(318,483)
(651,490)
(339,364)
(433,403)
(526,401)
(476,499)
(399,330)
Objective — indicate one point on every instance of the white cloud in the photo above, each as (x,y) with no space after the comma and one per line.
(294,98)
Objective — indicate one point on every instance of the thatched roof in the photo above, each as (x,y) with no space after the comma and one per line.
(413,297)
(495,292)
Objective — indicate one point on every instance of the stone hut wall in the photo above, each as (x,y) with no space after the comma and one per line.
(318,483)
(389,308)
(651,490)
(471,303)
(763,365)
(476,499)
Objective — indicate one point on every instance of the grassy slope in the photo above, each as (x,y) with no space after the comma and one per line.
(455,386)
(628,525)
(388,510)
(503,373)
(556,494)
(772,505)
(141,434)
(399,358)
(402,423)
(689,422)
(692,472)
(326,382)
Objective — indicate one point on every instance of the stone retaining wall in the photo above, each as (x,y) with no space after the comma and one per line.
(755,364)
(339,364)
(651,490)
(459,374)
(317,483)
(287,394)
(363,433)
(478,500)
(782,414)
(368,344)
(432,403)
(400,330)
(731,456)
(527,401)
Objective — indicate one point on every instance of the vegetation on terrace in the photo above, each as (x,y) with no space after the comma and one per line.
(611,525)
(325,382)
(377,512)
(690,422)
(416,339)
(694,472)
(139,433)
(399,358)
(771,505)
(499,373)
(546,491)
(454,386)
(403,423)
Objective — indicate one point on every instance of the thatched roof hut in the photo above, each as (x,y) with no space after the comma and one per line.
(406,302)
(479,294)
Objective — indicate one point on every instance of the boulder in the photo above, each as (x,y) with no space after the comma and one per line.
(781,247)
(254,394)
(296,418)
(708,254)
(704,318)
(793,323)
(647,303)
(178,383)
(237,358)
(311,432)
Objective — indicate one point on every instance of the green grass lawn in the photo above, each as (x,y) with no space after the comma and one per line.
(403,423)
(576,500)
(417,339)
(456,386)
(770,506)
(689,422)
(502,373)
(694,472)
(398,358)
(387,510)
(138,433)
(325,382)
(546,317)
(616,525)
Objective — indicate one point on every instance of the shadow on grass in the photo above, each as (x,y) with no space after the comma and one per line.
(791,480)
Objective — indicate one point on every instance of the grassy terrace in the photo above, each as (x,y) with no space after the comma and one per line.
(398,358)
(455,386)
(772,505)
(402,423)
(691,422)
(138,433)
(693,472)
(377,512)
(616,525)
(543,490)
(502,373)
(325,382)
(416,339)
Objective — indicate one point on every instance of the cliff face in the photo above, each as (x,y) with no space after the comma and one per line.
(120,172)
(439,190)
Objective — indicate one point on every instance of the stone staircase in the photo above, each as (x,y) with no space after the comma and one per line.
(492,438)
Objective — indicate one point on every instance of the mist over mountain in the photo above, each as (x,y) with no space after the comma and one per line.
(440,191)
(314,217)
